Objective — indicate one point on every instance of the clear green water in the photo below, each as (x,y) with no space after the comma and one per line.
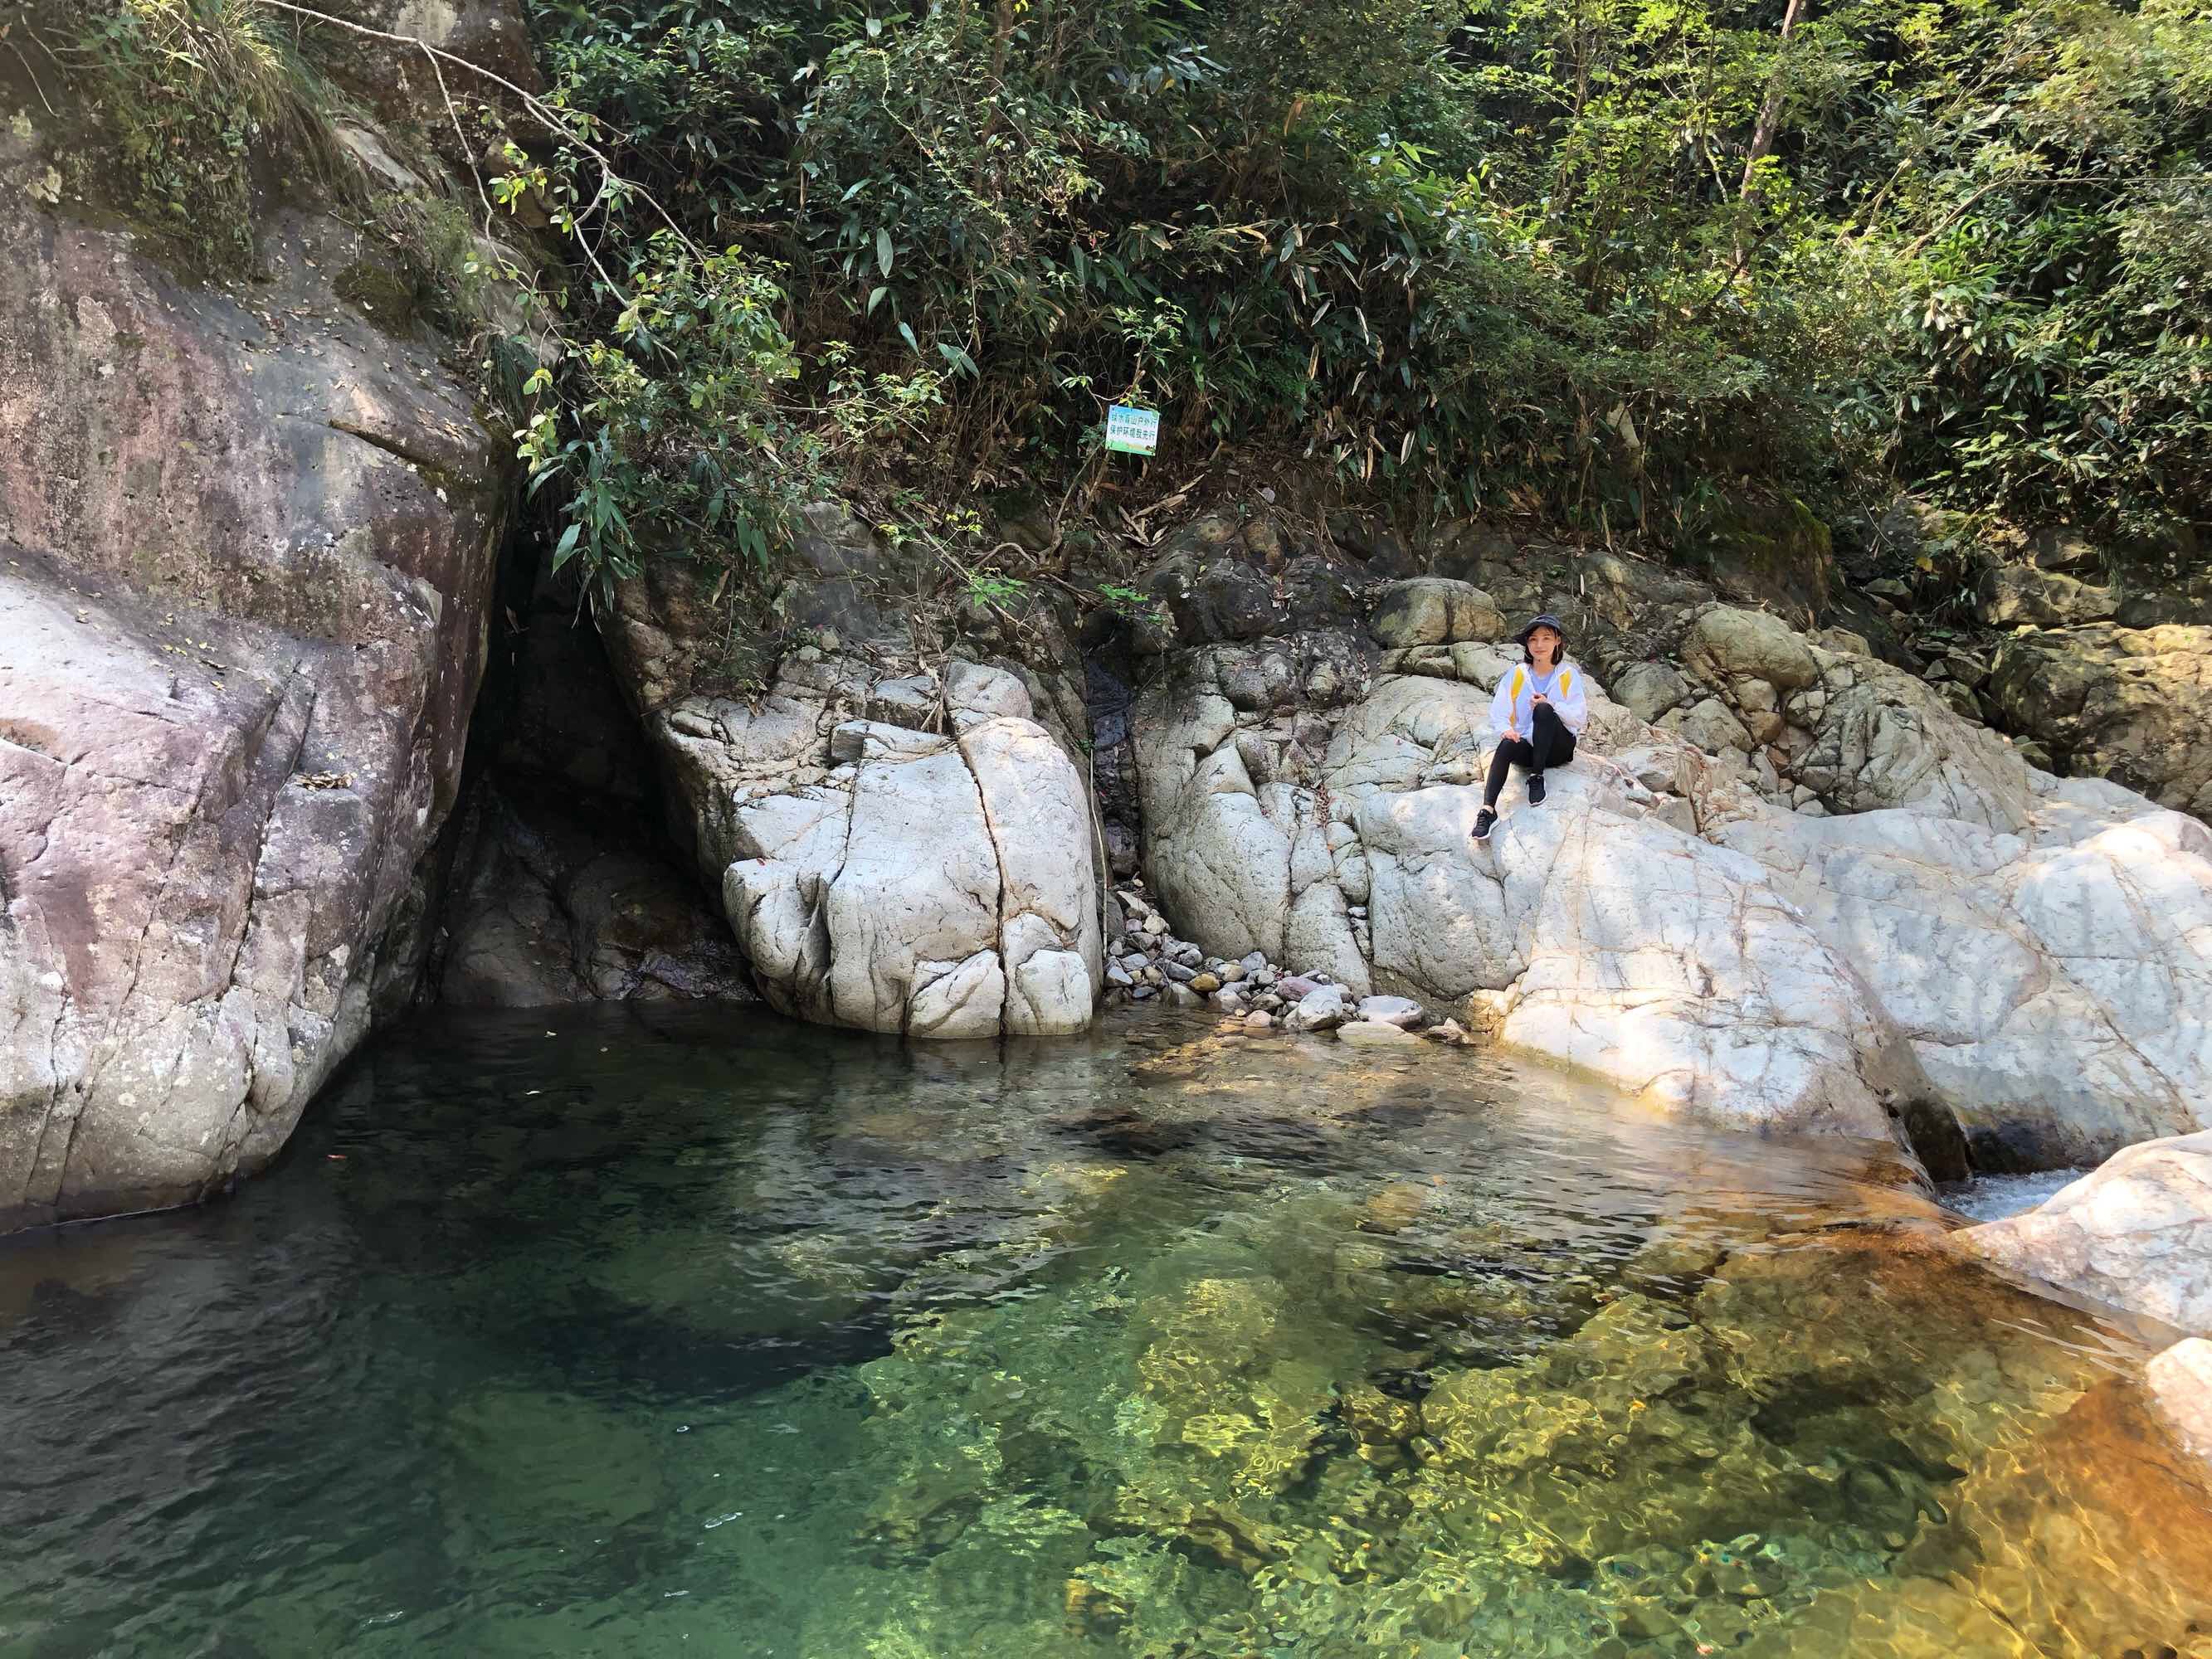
(675,1333)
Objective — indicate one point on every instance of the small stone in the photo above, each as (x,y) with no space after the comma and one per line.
(1447,1030)
(1229,1002)
(1182,996)
(1254,962)
(1156,924)
(1233,973)
(1117,974)
(1259,1020)
(1269,1001)
(1295,987)
(1177,972)
(1205,984)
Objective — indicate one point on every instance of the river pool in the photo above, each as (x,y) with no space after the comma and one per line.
(677,1332)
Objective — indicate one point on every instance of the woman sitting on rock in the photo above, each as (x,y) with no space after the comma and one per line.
(1540,709)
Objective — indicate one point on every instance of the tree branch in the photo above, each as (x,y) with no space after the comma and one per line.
(536,107)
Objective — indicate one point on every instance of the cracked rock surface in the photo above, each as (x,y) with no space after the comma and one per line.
(1335,831)
(1802,894)
(936,883)
(246,540)
(899,846)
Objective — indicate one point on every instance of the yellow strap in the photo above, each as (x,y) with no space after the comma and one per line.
(1520,679)
(1566,678)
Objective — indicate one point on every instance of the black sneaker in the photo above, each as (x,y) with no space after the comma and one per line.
(1535,789)
(1482,820)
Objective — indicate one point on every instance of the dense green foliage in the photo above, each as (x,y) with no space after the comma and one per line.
(186,93)
(1622,263)
(1631,266)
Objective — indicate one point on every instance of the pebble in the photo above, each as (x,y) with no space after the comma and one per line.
(1372,1033)
(1258,1020)
(1205,983)
(1233,973)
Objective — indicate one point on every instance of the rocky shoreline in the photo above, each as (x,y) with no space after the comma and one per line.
(1149,962)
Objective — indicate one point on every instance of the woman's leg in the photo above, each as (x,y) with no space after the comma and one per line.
(1548,737)
(1511,752)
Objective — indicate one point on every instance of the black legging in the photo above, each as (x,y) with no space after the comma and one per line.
(1548,743)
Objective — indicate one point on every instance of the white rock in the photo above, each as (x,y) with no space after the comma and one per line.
(1964,935)
(2135,1233)
(2180,1385)
(1391,1010)
(934,896)
(1373,1034)
(1317,1010)
(2052,983)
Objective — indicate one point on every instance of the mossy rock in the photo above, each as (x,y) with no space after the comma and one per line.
(1772,552)
(384,296)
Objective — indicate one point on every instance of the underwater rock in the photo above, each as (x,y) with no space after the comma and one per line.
(1374,1034)
(2087,1535)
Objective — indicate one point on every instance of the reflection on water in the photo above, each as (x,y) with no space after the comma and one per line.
(642,1334)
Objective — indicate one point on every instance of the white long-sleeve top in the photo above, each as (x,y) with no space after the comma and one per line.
(1515,705)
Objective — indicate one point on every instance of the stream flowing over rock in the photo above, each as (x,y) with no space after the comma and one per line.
(246,549)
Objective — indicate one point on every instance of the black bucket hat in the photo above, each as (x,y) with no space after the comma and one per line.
(1547,620)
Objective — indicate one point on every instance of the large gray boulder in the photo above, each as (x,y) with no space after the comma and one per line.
(1845,733)
(900,839)
(2014,596)
(2050,978)
(2135,1233)
(909,852)
(246,544)
(1590,930)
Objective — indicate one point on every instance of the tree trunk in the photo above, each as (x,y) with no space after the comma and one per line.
(1769,108)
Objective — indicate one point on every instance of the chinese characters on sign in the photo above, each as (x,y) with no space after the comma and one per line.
(1133,431)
